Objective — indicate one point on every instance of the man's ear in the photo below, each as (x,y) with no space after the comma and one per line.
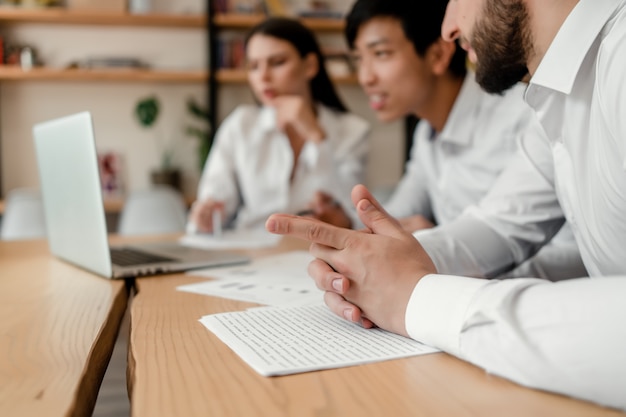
(311,65)
(439,55)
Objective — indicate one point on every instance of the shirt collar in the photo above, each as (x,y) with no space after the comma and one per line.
(560,65)
(461,119)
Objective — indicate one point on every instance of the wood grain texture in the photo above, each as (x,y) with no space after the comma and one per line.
(178,368)
(240,76)
(86,17)
(14,73)
(247,21)
(57,330)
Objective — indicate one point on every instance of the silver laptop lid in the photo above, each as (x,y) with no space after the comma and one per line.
(70,188)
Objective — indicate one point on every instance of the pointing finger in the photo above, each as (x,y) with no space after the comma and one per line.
(308,229)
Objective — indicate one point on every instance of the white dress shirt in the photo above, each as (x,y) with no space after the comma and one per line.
(250,164)
(452,170)
(568,337)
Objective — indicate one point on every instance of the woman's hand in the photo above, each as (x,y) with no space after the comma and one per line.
(325,208)
(201,214)
(294,114)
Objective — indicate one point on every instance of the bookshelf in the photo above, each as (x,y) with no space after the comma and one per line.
(242,21)
(61,16)
(239,76)
(13,73)
(52,20)
(14,15)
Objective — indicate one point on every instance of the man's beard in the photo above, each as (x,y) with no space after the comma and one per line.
(502,45)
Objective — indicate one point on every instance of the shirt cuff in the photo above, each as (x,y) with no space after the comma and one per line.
(436,311)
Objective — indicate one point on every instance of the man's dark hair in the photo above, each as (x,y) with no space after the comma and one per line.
(420,19)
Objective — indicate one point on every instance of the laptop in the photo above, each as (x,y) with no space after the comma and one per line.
(76,227)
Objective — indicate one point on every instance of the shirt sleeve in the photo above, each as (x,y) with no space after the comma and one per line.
(558,260)
(219,177)
(564,337)
(411,197)
(515,219)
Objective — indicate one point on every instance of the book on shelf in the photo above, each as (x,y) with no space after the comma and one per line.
(230,52)
(238,6)
(320,14)
(321,9)
(276,8)
(110,62)
(110,165)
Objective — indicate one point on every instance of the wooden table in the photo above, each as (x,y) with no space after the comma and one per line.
(178,368)
(58,325)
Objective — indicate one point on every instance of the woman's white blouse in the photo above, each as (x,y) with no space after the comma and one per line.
(250,164)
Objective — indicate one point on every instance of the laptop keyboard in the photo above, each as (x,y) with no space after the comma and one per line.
(130,257)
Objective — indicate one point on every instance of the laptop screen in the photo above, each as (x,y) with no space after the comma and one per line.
(70,187)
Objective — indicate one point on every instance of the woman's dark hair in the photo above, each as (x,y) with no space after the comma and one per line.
(294,32)
(420,19)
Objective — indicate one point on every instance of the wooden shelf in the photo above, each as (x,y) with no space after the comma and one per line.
(12,73)
(242,21)
(65,16)
(231,76)
(237,76)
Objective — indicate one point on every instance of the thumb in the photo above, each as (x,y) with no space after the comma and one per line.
(360,192)
(377,220)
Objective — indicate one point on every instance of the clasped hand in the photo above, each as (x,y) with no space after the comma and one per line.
(368,276)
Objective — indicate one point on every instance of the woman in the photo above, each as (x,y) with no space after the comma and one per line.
(300,139)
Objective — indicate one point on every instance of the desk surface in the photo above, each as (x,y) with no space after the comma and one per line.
(57,329)
(179,368)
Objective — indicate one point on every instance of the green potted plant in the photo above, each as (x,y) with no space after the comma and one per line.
(201,129)
(147,112)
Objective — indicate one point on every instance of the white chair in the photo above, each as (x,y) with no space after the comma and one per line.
(23,215)
(158,210)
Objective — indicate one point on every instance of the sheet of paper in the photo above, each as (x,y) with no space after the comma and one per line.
(279,280)
(283,341)
(232,239)
(283,266)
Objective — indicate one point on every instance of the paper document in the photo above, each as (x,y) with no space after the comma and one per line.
(280,280)
(232,239)
(283,341)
